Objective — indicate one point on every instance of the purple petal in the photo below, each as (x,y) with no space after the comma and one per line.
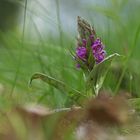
(81,52)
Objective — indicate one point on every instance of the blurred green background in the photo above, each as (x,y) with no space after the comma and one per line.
(36,36)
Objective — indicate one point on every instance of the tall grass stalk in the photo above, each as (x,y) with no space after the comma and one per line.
(134,44)
(20,51)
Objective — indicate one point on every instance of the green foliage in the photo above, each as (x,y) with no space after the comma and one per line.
(72,93)
(98,74)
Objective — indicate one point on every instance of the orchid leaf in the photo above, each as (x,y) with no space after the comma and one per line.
(99,72)
(57,84)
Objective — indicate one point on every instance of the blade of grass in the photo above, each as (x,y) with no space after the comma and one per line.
(59,21)
(21,50)
(43,66)
(128,58)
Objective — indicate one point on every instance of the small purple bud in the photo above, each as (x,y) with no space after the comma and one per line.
(78,66)
(92,38)
(84,41)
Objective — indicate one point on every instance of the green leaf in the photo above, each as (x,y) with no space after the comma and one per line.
(99,72)
(57,84)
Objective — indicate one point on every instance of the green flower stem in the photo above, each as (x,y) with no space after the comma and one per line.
(90,92)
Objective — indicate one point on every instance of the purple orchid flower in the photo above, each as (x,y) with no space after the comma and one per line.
(97,50)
